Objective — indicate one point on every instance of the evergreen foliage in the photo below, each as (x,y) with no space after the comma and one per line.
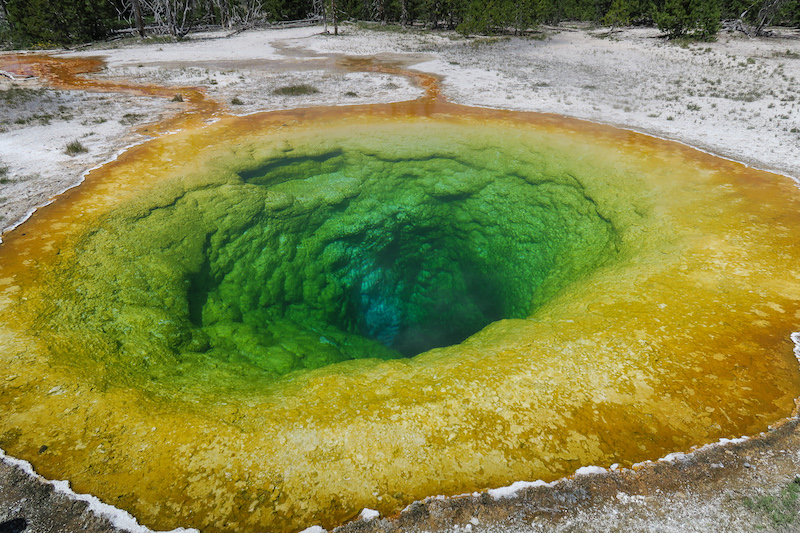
(696,18)
(48,22)
(26,23)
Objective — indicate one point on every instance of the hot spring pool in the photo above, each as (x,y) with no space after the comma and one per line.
(276,321)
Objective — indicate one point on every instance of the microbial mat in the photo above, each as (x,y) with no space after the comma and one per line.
(275,321)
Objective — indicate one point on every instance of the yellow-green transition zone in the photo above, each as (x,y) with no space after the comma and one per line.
(276,321)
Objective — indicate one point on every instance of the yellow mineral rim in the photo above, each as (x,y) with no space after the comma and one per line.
(206,332)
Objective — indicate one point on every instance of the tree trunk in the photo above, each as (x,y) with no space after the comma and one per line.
(225,15)
(186,22)
(137,13)
(335,18)
(404,13)
(380,11)
(169,16)
(767,13)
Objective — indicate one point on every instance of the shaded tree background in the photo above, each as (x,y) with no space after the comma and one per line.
(32,22)
(27,23)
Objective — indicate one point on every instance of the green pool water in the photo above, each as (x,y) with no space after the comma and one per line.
(318,255)
(276,321)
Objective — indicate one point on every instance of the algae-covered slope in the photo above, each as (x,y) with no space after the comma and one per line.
(380,244)
(269,323)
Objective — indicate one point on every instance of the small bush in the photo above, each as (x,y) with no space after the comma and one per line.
(130,118)
(43,119)
(177,98)
(236,101)
(296,90)
(4,175)
(75,148)
(351,94)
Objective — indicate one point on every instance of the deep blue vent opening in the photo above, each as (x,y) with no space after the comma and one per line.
(419,293)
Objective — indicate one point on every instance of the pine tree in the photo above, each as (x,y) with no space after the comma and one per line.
(694,18)
(45,22)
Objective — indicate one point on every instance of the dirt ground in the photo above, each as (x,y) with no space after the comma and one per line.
(737,97)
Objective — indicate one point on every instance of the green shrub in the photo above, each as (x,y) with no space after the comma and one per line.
(75,148)
(129,119)
(44,22)
(694,19)
(296,90)
(619,14)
